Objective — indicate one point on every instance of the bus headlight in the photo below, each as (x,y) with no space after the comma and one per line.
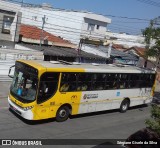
(27,108)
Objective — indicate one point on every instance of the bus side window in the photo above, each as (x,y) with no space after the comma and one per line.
(84,81)
(109,81)
(132,81)
(64,87)
(123,81)
(99,82)
(48,86)
(68,82)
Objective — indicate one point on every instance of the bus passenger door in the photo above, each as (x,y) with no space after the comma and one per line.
(43,102)
(47,90)
(42,110)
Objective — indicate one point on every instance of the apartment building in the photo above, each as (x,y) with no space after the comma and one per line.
(68,24)
(10,19)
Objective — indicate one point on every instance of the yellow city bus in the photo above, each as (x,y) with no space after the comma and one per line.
(43,89)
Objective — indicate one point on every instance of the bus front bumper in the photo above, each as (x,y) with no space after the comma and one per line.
(25,114)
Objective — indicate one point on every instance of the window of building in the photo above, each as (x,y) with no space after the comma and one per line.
(7,22)
(98,27)
(34,18)
(91,27)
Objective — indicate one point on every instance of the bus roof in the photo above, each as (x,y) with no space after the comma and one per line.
(63,66)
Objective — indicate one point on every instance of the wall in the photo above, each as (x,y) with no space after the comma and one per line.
(67,24)
(96,50)
(4,36)
(15,28)
(97,33)
(102,21)
(11,10)
(60,23)
(125,39)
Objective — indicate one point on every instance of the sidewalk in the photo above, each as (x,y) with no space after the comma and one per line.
(4,89)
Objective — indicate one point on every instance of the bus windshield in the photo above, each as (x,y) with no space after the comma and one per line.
(24,86)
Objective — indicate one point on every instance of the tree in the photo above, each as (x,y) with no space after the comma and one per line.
(154,123)
(152,40)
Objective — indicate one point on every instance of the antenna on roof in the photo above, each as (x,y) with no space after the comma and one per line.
(54,62)
(65,62)
(76,63)
(121,65)
(95,64)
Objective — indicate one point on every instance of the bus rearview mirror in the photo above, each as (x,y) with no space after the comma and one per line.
(11,71)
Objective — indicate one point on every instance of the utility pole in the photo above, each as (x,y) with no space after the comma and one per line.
(22,3)
(79,49)
(15,34)
(109,50)
(43,22)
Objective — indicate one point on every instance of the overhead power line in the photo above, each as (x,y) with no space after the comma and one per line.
(150,2)
(130,18)
(60,26)
(69,19)
(57,9)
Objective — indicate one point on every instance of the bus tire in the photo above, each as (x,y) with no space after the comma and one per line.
(62,114)
(124,106)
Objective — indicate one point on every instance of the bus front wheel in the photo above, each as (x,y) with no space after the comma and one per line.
(124,106)
(62,114)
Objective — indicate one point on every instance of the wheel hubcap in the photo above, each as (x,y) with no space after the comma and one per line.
(62,113)
(124,107)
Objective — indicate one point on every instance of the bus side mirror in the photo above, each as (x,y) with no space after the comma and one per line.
(11,71)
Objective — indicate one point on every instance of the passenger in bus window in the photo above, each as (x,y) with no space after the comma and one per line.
(100,87)
(115,84)
(43,88)
(64,87)
(20,90)
(84,87)
(122,84)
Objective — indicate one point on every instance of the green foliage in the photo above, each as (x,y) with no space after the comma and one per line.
(154,122)
(152,33)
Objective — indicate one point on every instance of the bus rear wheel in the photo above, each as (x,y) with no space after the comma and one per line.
(62,114)
(124,106)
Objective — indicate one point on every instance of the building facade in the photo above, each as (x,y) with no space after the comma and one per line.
(124,39)
(10,19)
(68,24)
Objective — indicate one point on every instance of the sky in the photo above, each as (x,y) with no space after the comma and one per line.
(114,9)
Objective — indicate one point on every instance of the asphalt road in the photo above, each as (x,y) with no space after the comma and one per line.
(103,125)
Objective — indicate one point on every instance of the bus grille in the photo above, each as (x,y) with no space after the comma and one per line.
(14,109)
